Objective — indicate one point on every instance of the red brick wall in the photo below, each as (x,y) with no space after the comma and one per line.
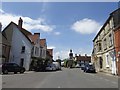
(117,47)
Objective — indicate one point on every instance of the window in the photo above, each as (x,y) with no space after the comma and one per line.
(35,50)
(110,40)
(100,48)
(23,49)
(105,44)
(37,41)
(32,51)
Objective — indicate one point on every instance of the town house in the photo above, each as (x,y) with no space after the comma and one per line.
(21,45)
(104,55)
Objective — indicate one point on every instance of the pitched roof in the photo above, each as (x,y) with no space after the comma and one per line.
(84,58)
(4,39)
(23,31)
(110,15)
(43,42)
(33,38)
(50,51)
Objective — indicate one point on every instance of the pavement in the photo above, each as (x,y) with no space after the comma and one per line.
(66,78)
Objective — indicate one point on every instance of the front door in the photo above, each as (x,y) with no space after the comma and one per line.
(101,63)
(22,62)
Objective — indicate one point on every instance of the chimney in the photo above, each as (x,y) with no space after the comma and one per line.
(85,55)
(20,23)
(37,34)
(79,54)
(75,55)
(0,27)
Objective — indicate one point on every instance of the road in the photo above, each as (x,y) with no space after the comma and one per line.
(67,78)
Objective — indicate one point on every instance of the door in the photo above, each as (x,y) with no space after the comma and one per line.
(101,63)
(22,62)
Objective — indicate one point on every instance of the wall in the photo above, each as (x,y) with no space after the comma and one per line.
(19,40)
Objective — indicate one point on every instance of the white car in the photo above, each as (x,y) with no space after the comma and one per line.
(58,67)
(51,67)
(77,66)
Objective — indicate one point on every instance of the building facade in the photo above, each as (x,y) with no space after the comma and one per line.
(35,39)
(104,55)
(4,47)
(82,60)
(116,18)
(43,46)
(21,46)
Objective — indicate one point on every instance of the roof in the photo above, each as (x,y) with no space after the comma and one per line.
(50,51)
(4,39)
(84,58)
(105,23)
(23,31)
(33,38)
(43,42)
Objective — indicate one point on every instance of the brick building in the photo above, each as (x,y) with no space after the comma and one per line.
(116,15)
(83,59)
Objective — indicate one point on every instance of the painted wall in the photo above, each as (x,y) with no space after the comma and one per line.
(19,40)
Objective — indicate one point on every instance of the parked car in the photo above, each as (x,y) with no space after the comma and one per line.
(58,67)
(51,67)
(12,67)
(89,68)
(0,68)
(82,66)
(62,64)
(77,66)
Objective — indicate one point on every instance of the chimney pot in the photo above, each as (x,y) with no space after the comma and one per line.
(37,33)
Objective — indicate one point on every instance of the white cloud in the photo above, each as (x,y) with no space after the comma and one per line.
(57,33)
(51,47)
(1,11)
(62,54)
(28,23)
(86,26)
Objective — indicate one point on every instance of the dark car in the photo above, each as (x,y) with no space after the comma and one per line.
(12,67)
(82,66)
(89,68)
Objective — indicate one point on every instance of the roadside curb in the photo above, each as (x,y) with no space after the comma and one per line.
(29,71)
(108,74)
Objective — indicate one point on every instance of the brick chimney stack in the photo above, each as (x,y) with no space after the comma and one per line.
(20,22)
(37,34)
(0,27)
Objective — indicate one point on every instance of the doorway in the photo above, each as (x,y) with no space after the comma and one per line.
(22,62)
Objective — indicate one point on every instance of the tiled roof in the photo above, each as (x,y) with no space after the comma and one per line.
(43,42)
(84,58)
(24,31)
(33,38)
(50,51)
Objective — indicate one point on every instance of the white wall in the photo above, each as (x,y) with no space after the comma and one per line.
(19,40)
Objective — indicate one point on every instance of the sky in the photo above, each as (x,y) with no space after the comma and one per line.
(65,25)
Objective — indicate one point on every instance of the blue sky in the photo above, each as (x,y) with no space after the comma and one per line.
(65,25)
